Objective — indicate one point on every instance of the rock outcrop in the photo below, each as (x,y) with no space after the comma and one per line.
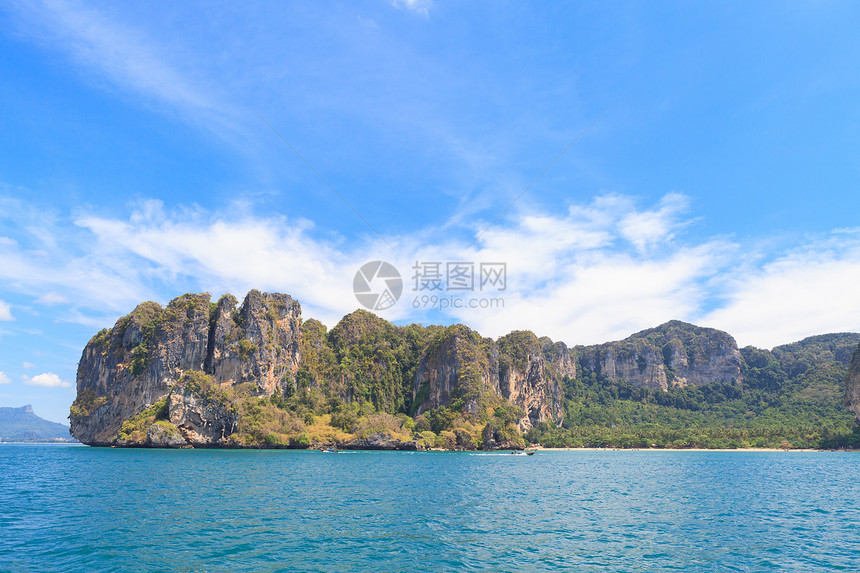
(381,441)
(673,354)
(530,375)
(188,374)
(459,369)
(138,363)
(465,371)
(852,394)
(201,421)
(198,373)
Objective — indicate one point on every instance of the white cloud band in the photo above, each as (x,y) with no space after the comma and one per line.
(595,272)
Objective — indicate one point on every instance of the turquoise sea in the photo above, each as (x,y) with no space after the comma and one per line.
(74,508)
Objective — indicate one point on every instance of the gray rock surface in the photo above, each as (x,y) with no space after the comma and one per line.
(673,354)
(852,385)
(164,436)
(520,368)
(138,362)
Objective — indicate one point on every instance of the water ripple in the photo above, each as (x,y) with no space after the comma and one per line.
(83,509)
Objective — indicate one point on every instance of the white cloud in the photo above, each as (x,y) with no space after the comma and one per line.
(72,269)
(595,272)
(5,311)
(418,6)
(4,379)
(233,255)
(604,297)
(51,298)
(655,226)
(27,365)
(809,290)
(47,380)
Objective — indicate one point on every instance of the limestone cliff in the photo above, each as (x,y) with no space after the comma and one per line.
(530,373)
(137,365)
(198,373)
(462,370)
(458,369)
(673,354)
(852,396)
(210,374)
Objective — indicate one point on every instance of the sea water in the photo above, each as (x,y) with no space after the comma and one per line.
(74,508)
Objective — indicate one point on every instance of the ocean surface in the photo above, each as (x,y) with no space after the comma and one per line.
(75,508)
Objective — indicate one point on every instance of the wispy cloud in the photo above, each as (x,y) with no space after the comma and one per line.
(421,7)
(47,380)
(654,226)
(51,298)
(4,379)
(810,289)
(127,57)
(215,72)
(95,283)
(5,311)
(599,271)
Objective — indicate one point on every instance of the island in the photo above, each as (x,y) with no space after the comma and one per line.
(23,425)
(205,374)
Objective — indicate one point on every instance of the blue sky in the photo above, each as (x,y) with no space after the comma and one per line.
(710,174)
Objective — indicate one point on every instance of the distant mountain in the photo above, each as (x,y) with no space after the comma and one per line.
(22,425)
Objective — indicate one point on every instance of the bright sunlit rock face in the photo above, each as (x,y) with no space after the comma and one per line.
(183,354)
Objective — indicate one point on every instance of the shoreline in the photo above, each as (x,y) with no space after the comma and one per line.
(688,450)
(440,450)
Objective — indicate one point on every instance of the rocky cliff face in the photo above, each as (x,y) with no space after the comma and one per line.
(462,370)
(530,372)
(852,396)
(191,374)
(138,363)
(673,354)
(194,374)
(459,368)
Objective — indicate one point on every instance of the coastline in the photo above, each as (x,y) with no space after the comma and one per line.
(442,450)
(688,450)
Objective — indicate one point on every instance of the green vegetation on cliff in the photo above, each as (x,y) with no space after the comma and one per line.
(791,397)
(86,403)
(259,376)
(134,429)
(363,358)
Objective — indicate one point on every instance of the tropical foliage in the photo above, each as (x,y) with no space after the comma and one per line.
(791,397)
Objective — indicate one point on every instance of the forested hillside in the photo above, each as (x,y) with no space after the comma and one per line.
(792,396)
(198,373)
